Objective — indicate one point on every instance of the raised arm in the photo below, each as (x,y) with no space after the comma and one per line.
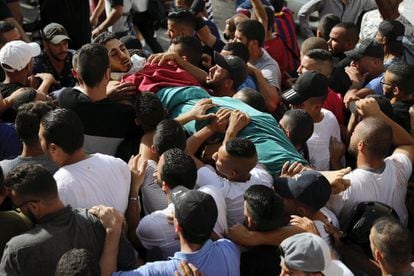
(304,14)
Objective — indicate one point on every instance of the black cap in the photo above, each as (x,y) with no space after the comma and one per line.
(235,65)
(55,33)
(367,47)
(195,211)
(310,84)
(393,30)
(308,187)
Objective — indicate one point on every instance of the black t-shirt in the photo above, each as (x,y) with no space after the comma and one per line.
(105,118)
(4,10)
(401,115)
(263,260)
(6,89)
(72,14)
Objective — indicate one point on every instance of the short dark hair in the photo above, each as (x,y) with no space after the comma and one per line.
(377,136)
(64,128)
(103,38)
(190,47)
(241,147)
(265,207)
(179,169)
(403,77)
(149,110)
(393,240)
(300,125)
(253,98)
(5,27)
(182,17)
(319,54)
(28,119)
(252,30)
(32,181)
(26,96)
(78,262)
(277,5)
(93,63)
(327,22)
(238,49)
(352,31)
(169,134)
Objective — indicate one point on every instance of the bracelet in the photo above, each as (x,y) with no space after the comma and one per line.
(136,198)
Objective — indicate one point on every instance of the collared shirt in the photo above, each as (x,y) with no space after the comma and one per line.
(38,251)
(42,64)
(221,257)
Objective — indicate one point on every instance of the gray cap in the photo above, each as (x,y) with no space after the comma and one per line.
(309,253)
(55,33)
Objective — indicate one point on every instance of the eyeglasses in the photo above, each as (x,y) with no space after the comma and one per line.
(385,83)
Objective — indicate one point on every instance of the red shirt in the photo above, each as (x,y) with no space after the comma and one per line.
(334,103)
(277,50)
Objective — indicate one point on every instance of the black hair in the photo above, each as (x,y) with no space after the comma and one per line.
(28,119)
(26,96)
(265,207)
(64,128)
(352,31)
(300,125)
(277,5)
(253,98)
(319,54)
(93,63)
(179,169)
(32,181)
(403,77)
(190,47)
(327,22)
(131,42)
(393,240)
(103,38)
(237,49)
(169,134)
(252,30)
(5,27)
(78,262)
(241,147)
(182,17)
(149,110)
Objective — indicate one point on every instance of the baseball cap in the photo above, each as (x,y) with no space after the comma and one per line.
(310,84)
(15,55)
(367,47)
(309,253)
(393,30)
(195,211)
(55,33)
(235,65)
(308,187)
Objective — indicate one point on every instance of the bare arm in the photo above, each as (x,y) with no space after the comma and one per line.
(238,120)
(19,28)
(259,13)
(100,7)
(114,15)
(304,14)
(198,112)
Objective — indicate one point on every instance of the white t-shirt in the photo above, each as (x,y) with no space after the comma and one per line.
(154,230)
(233,191)
(99,179)
(388,187)
(318,143)
(320,225)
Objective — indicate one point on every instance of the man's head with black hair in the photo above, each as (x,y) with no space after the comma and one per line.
(28,121)
(251,97)
(399,81)
(318,60)
(237,49)
(168,134)
(77,262)
(176,168)
(235,159)
(250,32)
(298,126)
(343,37)
(8,32)
(93,64)
(180,23)
(327,22)
(263,209)
(61,134)
(149,110)
(188,47)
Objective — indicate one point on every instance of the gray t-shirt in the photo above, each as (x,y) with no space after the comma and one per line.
(8,164)
(270,69)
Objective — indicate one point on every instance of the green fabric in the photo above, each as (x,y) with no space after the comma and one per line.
(12,224)
(272,145)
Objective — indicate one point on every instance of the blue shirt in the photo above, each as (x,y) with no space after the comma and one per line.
(221,257)
(249,83)
(375,85)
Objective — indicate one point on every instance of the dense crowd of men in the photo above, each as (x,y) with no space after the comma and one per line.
(232,152)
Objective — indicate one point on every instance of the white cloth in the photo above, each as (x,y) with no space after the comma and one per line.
(389,187)
(320,225)
(371,21)
(318,143)
(99,179)
(233,191)
(154,230)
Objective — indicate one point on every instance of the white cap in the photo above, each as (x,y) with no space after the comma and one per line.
(15,55)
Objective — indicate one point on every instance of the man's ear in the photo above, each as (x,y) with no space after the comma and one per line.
(153,150)
(137,121)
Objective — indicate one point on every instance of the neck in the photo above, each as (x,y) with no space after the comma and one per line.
(53,206)
(187,247)
(318,117)
(16,77)
(96,93)
(241,178)
(57,64)
(254,55)
(386,270)
(75,157)
(31,151)
(364,161)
